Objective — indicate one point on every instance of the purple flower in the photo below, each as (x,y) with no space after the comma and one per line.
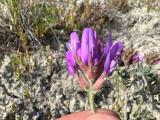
(112,51)
(89,46)
(137,57)
(74,44)
(157,62)
(108,44)
(89,59)
(70,62)
(85,46)
(73,49)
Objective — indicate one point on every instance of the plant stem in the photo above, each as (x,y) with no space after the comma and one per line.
(91,97)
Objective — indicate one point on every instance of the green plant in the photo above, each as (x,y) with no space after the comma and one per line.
(44,18)
(20,66)
(14,8)
(140,84)
(91,65)
(29,22)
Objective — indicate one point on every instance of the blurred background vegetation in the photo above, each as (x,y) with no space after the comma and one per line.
(32,19)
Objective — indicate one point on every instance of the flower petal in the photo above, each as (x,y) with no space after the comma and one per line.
(107,64)
(71,70)
(116,50)
(70,62)
(92,39)
(74,39)
(120,48)
(93,46)
(85,46)
(113,65)
(137,57)
(70,47)
(108,43)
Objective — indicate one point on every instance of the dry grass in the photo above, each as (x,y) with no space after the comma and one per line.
(118,4)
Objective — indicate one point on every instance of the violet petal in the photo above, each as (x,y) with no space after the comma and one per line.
(113,65)
(116,50)
(107,64)
(137,57)
(85,46)
(70,62)
(93,46)
(108,44)
(74,39)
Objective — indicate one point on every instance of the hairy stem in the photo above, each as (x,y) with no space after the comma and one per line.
(91,97)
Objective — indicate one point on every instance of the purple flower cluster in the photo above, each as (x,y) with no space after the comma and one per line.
(137,57)
(90,59)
